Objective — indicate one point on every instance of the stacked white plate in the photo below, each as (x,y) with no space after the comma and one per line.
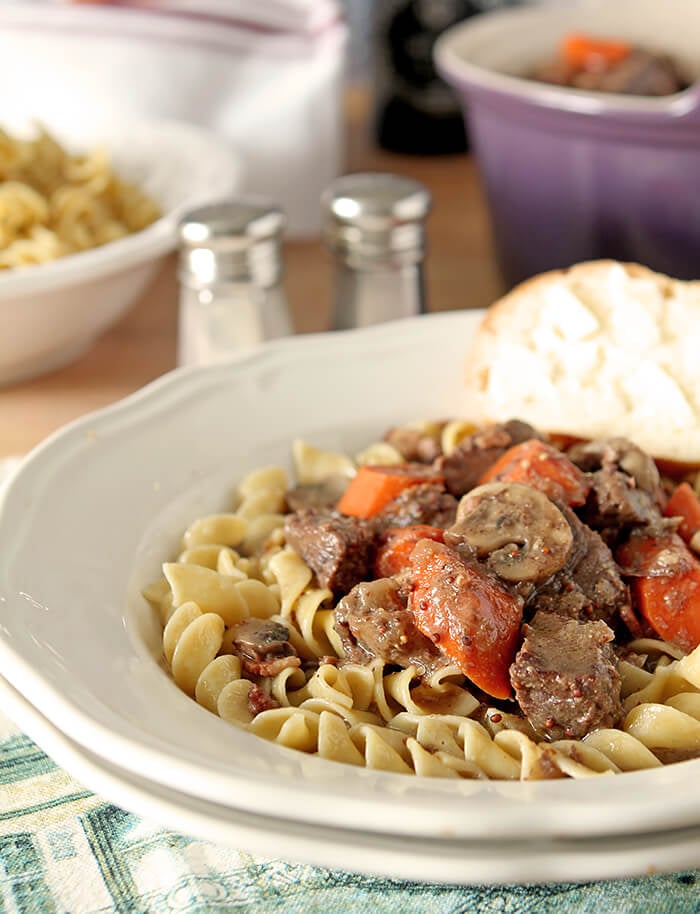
(86,522)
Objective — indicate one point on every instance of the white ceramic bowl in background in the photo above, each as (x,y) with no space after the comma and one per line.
(51,313)
(272,88)
(93,512)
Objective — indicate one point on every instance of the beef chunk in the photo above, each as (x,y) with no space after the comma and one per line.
(557,72)
(626,488)
(520,431)
(414,445)
(565,677)
(634,624)
(640,73)
(317,495)
(465,466)
(618,454)
(616,502)
(373,621)
(339,549)
(263,646)
(426,503)
(589,586)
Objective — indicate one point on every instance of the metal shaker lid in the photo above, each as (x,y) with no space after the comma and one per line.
(231,241)
(376,215)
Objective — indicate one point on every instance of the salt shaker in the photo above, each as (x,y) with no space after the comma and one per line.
(230,273)
(375,225)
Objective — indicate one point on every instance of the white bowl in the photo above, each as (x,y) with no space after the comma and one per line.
(51,313)
(397,857)
(275,92)
(88,519)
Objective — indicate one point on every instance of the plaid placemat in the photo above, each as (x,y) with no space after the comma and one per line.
(64,850)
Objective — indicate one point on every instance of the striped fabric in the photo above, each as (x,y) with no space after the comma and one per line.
(64,850)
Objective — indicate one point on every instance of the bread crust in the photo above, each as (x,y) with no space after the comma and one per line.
(601,348)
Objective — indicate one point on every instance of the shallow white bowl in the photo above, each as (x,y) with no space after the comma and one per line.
(91,515)
(394,856)
(51,313)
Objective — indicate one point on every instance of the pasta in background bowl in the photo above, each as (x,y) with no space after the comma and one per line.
(75,271)
(55,202)
(80,642)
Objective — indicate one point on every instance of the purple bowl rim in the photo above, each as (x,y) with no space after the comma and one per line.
(462,74)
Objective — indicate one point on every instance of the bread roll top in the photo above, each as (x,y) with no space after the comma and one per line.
(600,349)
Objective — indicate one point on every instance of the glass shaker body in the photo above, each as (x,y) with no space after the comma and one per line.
(375,227)
(216,321)
(376,292)
(231,294)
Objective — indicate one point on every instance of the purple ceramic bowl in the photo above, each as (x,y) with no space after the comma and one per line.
(572,175)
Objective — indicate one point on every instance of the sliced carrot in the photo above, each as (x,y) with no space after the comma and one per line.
(684,503)
(540,465)
(584,52)
(374,487)
(665,584)
(467,613)
(395,552)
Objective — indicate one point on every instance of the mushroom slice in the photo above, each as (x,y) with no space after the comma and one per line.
(521,533)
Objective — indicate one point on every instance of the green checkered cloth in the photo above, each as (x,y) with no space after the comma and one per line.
(64,850)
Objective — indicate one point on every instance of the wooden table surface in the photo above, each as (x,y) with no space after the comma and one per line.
(460,273)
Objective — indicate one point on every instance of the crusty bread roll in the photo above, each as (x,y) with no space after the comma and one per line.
(600,349)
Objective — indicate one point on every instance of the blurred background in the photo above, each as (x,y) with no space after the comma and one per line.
(304,90)
(523,170)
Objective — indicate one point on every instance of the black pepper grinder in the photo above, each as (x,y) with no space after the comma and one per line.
(416,112)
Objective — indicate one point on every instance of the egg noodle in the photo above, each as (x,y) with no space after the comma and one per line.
(237,565)
(54,203)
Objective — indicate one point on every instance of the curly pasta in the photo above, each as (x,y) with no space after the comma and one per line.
(191,640)
(54,203)
(453,432)
(235,567)
(312,464)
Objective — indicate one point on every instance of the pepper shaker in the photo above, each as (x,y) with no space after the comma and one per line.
(375,226)
(230,273)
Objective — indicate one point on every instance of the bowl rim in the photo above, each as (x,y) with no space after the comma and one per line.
(257,782)
(156,240)
(462,73)
(451,861)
